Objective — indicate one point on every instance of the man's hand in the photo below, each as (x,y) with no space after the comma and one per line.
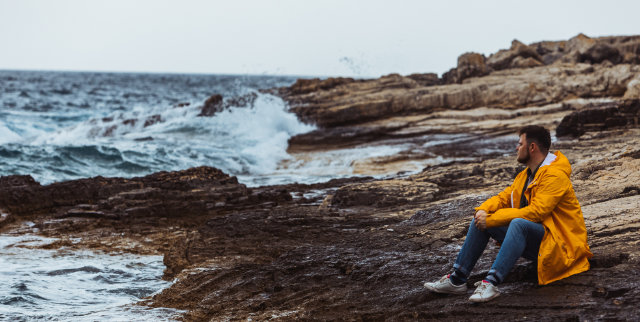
(481,219)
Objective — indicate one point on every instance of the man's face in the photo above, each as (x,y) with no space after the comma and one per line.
(523,149)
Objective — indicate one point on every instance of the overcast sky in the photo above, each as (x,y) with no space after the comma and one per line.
(297,37)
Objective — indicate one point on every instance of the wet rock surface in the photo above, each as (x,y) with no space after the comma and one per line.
(360,248)
(620,115)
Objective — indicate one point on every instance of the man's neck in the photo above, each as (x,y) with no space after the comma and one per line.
(535,161)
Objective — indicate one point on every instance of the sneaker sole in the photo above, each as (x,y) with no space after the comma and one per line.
(444,292)
(481,300)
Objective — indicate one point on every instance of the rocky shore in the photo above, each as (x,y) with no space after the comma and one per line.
(360,248)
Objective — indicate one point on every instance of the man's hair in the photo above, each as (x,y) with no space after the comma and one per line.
(539,135)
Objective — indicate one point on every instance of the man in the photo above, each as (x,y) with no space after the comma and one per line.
(538,217)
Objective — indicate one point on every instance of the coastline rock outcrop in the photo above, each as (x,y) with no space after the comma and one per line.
(360,248)
(395,95)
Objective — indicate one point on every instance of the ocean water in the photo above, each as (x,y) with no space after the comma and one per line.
(70,285)
(59,126)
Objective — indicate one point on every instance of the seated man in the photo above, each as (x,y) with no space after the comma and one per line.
(538,217)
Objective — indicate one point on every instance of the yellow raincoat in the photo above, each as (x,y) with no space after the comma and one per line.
(552,201)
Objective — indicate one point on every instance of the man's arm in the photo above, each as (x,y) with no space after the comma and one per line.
(499,201)
(551,188)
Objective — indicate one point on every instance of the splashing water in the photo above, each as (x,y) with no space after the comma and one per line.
(61,126)
(76,285)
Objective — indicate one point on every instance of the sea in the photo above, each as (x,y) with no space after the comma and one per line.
(58,126)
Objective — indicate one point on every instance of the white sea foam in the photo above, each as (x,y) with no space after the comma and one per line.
(321,166)
(7,135)
(239,140)
(72,285)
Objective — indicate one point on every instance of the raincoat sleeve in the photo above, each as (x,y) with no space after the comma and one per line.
(550,189)
(498,201)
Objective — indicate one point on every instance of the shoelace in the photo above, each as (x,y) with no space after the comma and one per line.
(481,287)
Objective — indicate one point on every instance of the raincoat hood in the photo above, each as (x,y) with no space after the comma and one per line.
(558,161)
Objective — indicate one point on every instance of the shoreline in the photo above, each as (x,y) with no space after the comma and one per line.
(361,248)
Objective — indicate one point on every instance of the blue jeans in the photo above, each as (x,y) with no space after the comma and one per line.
(520,239)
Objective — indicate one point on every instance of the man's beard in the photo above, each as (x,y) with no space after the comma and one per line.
(525,159)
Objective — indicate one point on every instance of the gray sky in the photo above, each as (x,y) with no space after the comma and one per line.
(297,37)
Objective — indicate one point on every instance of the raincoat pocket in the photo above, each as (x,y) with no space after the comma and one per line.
(556,254)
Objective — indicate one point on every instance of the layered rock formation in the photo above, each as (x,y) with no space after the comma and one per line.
(360,248)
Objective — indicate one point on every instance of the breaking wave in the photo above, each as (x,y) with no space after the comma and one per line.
(128,131)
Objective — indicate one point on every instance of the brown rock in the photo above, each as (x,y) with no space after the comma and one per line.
(633,89)
(18,181)
(394,95)
(602,118)
(212,106)
(503,59)
(579,44)
(520,62)
(384,193)
(469,65)
(303,86)
(550,51)
(158,194)
(600,52)
(181,105)
(427,79)
(153,119)
(242,101)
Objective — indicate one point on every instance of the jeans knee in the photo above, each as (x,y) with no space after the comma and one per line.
(519,223)
(472,225)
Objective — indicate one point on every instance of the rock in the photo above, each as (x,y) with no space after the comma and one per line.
(600,52)
(579,44)
(212,106)
(600,118)
(633,89)
(631,58)
(384,193)
(550,51)
(129,122)
(5,219)
(242,101)
(163,193)
(303,86)
(469,65)
(153,119)
(216,104)
(503,59)
(520,62)
(181,105)
(538,74)
(394,95)
(18,181)
(427,79)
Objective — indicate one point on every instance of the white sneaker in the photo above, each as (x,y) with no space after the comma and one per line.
(485,292)
(445,286)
